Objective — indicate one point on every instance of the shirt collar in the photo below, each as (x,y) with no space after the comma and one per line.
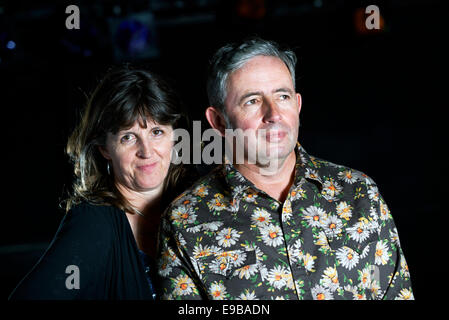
(305,168)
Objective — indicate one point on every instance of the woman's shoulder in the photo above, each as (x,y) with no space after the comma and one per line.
(90,212)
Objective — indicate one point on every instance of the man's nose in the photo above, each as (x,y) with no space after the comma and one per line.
(271,111)
(145,149)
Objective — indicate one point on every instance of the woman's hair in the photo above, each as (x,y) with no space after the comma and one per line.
(124,96)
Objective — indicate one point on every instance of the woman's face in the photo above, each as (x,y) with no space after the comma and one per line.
(140,157)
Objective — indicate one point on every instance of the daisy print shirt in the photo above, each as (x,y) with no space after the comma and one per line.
(332,238)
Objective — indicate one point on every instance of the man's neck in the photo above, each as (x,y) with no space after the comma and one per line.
(275,181)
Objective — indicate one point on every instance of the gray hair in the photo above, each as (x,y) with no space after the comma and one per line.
(234,56)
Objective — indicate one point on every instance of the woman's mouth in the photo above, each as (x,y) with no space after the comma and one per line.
(147,167)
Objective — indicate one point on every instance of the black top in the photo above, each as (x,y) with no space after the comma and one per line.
(93,256)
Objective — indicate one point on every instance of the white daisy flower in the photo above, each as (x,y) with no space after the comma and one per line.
(312,174)
(199,251)
(384,211)
(359,232)
(220,266)
(347,176)
(294,251)
(363,178)
(217,291)
(394,236)
(315,216)
(286,211)
(373,213)
(373,193)
(278,277)
(330,280)
(272,235)
(246,295)
(309,262)
(405,294)
(217,203)
(365,277)
(297,193)
(167,261)
(186,201)
(194,229)
(331,189)
(347,257)
(201,190)
(365,251)
(321,240)
(263,270)
(227,237)
(321,293)
(404,268)
(237,257)
(261,217)
(211,226)
(250,197)
(344,210)
(233,206)
(382,254)
(183,215)
(183,285)
(375,290)
(246,271)
(238,190)
(333,226)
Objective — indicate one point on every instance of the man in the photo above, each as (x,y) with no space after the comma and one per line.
(280,224)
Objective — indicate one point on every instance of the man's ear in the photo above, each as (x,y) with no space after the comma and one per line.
(104,152)
(299,100)
(216,119)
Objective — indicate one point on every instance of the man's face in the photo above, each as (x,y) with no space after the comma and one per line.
(261,98)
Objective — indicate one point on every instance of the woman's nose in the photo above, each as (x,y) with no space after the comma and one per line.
(145,150)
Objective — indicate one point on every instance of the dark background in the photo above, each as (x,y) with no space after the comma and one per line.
(372,100)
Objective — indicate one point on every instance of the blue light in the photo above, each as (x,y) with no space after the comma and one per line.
(11,45)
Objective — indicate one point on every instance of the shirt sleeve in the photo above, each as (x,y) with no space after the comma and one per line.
(390,259)
(177,277)
(71,266)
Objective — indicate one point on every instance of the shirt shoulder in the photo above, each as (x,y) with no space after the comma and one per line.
(208,190)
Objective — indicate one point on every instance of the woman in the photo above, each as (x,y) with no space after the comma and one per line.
(122,150)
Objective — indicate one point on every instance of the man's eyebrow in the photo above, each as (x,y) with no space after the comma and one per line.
(288,90)
(249,94)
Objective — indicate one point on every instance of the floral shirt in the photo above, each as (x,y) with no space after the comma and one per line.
(332,238)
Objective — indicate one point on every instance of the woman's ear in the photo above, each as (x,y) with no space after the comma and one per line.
(104,152)
(216,119)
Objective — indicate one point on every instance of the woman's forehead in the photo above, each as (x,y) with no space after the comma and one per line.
(143,123)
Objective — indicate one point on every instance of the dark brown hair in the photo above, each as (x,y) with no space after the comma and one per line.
(125,95)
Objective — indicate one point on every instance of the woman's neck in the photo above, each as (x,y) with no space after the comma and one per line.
(144,225)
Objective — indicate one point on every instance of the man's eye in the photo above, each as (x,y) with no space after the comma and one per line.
(285,97)
(250,102)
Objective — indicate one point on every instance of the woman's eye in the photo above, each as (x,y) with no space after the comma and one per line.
(157,132)
(127,138)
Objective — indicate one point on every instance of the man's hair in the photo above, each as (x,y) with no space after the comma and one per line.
(232,57)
